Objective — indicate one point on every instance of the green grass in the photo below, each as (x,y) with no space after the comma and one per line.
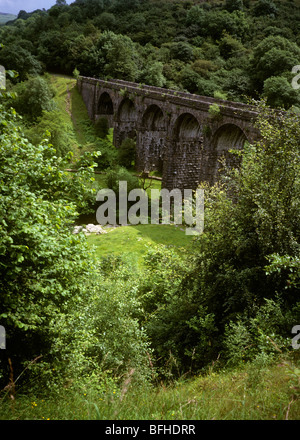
(250,393)
(134,241)
(74,113)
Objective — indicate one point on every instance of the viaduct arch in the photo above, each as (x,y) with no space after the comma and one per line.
(175,132)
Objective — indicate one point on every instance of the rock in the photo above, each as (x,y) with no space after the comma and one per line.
(89,229)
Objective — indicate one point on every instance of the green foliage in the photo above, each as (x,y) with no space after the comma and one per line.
(43,265)
(119,56)
(273,56)
(33,97)
(16,57)
(278,92)
(126,153)
(265,7)
(240,236)
(107,336)
(248,339)
(102,127)
(158,43)
(114,176)
(228,300)
(152,74)
(233,5)
(214,111)
(50,125)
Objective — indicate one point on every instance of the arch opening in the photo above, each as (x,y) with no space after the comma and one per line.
(228,137)
(187,127)
(153,118)
(105,105)
(127,111)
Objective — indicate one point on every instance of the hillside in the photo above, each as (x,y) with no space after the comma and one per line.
(4,18)
(237,49)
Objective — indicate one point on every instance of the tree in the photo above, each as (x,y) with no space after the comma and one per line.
(233,5)
(273,56)
(265,7)
(181,51)
(119,56)
(259,218)
(43,266)
(15,57)
(279,92)
(126,153)
(152,74)
(33,97)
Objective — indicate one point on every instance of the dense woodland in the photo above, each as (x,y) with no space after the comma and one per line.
(235,47)
(75,320)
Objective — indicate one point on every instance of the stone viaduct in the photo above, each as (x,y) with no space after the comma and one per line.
(179,134)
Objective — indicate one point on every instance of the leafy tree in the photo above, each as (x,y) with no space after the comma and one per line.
(244,269)
(265,7)
(126,153)
(43,265)
(204,67)
(230,46)
(279,92)
(152,74)
(119,56)
(233,5)
(273,56)
(17,58)
(241,235)
(33,97)
(181,51)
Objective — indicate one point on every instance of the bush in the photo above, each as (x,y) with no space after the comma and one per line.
(126,153)
(33,97)
(116,175)
(43,267)
(102,127)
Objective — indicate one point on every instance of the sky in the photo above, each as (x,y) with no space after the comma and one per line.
(15,6)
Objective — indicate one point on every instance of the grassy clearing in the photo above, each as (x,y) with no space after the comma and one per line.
(134,241)
(251,393)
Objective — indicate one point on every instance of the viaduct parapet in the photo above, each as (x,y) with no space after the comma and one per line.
(182,135)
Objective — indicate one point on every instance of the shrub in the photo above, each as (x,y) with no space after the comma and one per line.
(126,153)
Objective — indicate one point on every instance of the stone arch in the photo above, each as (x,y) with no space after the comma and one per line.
(187,127)
(127,111)
(227,137)
(126,126)
(153,118)
(105,105)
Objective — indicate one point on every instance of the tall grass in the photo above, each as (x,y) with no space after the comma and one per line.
(251,393)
